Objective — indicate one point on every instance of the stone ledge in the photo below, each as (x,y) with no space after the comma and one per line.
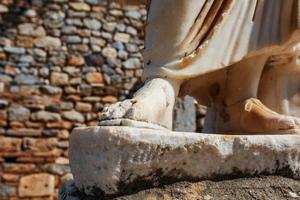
(110,161)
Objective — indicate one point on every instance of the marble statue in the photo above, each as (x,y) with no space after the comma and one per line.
(240,58)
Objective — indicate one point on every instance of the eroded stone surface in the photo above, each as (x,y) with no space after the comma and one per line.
(116,160)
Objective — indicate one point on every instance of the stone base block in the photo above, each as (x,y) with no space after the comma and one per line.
(114,160)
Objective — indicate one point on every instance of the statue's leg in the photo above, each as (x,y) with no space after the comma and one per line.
(153,104)
(243,110)
(281,79)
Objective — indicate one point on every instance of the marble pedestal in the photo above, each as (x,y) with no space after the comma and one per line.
(116,160)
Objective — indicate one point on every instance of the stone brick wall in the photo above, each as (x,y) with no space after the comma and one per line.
(61,61)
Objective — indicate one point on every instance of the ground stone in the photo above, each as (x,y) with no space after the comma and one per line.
(264,187)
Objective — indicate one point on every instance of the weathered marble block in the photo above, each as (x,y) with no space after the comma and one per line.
(112,160)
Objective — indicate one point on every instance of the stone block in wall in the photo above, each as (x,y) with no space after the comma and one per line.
(24,41)
(36,185)
(39,144)
(24,132)
(45,116)
(73,116)
(19,168)
(29,29)
(47,42)
(18,113)
(7,191)
(58,78)
(79,6)
(94,77)
(8,144)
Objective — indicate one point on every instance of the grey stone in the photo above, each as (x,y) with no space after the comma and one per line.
(121,27)
(74,21)
(132,48)
(109,27)
(14,50)
(134,14)
(45,116)
(93,2)
(131,30)
(50,132)
(58,169)
(85,70)
(123,54)
(107,35)
(5,78)
(26,79)
(69,30)
(185,115)
(73,39)
(118,45)
(18,113)
(72,71)
(66,105)
(30,13)
(92,24)
(97,41)
(114,62)
(26,59)
(132,63)
(54,19)
(73,116)
(7,191)
(50,90)
(44,72)
(39,53)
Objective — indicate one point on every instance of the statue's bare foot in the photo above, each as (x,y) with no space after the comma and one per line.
(151,106)
(252,116)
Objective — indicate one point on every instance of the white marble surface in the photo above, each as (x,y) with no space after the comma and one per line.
(113,159)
